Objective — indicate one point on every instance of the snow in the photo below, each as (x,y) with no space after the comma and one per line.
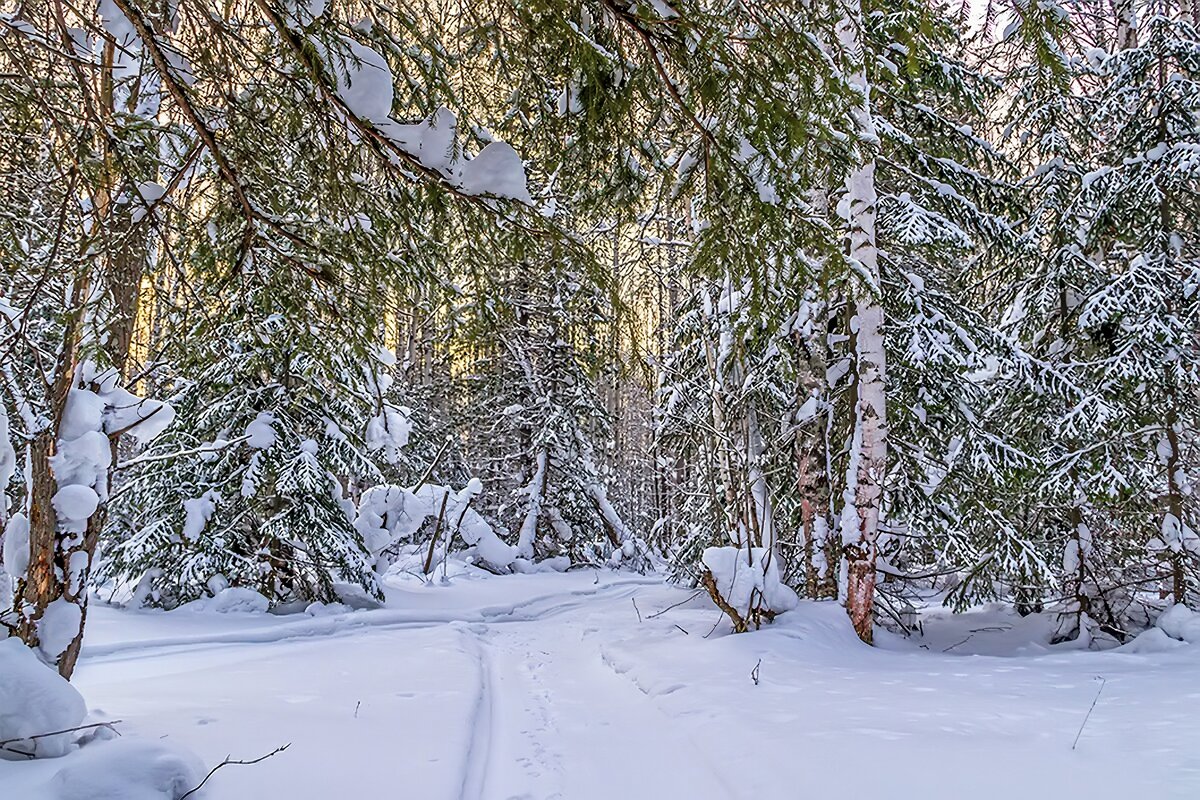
(127,769)
(231,600)
(149,193)
(663,9)
(8,460)
(83,413)
(362,78)
(91,418)
(144,419)
(115,23)
(388,516)
(364,82)
(497,171)
(197,512)
(595,684)
(75,503)
(305,13)
(260,434)
(16,546)
(58,627)
(1180,622)
(34,699)
(81,760)
(86,457)
(747,579)
(388,431)
(431,140)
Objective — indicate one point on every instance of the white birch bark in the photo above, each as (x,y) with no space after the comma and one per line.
(868,457)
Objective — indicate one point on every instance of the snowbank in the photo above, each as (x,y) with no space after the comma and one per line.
(1180,622)
(127,769)
(73,764)
(34,699)
(231,600)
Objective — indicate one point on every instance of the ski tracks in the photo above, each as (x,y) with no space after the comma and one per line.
(481,723)
(554,702)
(304,628)
(511,751)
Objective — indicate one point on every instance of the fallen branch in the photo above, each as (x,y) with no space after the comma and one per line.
(229,761)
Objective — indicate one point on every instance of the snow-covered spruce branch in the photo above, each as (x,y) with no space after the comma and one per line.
(210,447)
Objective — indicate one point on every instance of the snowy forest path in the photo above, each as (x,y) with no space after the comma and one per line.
(566,725)
(297,627)
(508,700)
(607,686)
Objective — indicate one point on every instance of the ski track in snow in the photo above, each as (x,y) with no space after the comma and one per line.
(574,695)
(480,735)
(532,610)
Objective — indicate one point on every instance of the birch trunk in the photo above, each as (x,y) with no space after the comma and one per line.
(868,456)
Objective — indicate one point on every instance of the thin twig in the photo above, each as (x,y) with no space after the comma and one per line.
(956,644)
(5,744)
(229,761)
(1092,708)
(676,605)
(204,449)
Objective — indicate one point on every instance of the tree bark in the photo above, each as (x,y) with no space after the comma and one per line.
(868,457)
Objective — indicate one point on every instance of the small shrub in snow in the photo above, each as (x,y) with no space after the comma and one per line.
(745,584)
(390,516)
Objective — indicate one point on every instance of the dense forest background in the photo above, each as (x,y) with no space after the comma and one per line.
(876,296)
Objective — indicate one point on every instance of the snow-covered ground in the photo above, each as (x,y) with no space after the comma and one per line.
(581,686)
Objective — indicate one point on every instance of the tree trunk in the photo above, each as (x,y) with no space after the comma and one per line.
(49,557)
(1174,520)
(868,456)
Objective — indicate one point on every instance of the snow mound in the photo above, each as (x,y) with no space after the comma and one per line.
(749,579)
(34,699)
(1180,622)
(232,600)
(1152,641)
(326,609)
(528,567)
(127,769)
